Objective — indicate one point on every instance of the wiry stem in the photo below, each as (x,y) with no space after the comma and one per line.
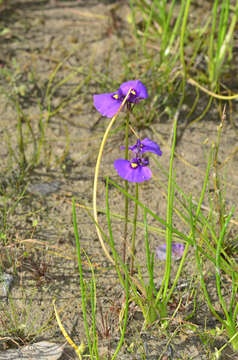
(95,184)
(126,188)
(134,231)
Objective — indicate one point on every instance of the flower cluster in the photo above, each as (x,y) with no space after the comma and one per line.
(137,170)
(108,104)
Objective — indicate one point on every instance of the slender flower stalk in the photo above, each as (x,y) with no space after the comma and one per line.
(136,171)
(134,230)
(161,296)
(110,105)
(95,184)
(126,188)
(171,189)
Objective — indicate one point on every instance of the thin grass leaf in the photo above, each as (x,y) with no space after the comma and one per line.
(218,267)
(83,295)
(198,261)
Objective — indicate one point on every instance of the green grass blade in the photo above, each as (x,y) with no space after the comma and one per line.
(83,295)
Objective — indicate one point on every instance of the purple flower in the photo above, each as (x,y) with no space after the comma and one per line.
(109,103)
(177,251)
(138,91)
(145,145)
(134,171)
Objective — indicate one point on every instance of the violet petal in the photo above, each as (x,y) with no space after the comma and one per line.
(177,251)
(144,146)
(150,146)
(137,86)
(106,104)
(135,175)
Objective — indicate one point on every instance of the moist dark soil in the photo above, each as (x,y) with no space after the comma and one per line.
(54,57)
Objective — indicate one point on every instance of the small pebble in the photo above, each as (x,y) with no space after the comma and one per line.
(7,280)
(42,350)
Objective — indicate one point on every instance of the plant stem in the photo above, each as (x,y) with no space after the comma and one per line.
(219,202)
(181,50)
(126,188)
(218,269)
(96,173)
(169,231)
(125,316)
(83,295)
(198,260)
(134,230)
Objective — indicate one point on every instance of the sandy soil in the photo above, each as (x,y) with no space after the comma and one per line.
(85,40)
